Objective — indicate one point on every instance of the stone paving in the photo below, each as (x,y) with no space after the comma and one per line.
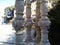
(7,35)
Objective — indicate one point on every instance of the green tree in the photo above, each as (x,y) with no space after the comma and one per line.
(55,13)
(54,31)
(7,9)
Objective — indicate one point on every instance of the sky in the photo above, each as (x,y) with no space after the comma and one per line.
(4,4)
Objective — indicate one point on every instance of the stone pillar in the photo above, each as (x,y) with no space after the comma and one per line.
(44,23)
(37,28)
(18,22)
(28,21)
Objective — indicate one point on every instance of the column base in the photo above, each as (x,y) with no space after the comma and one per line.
(37,40)
(25,43)
(44,43)
(28,40)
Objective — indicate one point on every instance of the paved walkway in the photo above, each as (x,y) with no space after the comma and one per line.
(7,35)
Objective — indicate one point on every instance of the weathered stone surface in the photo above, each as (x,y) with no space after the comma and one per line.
(25,43)
(41,23)
(28,21)
(44,24)
(37,28)
(18,22)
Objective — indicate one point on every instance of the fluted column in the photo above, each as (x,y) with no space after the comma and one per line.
(37,28)
(44,23)
(18,22)
(28,21)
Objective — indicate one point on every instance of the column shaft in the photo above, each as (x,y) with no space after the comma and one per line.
(18,22)
(37,28)
(28,21)
(44,23)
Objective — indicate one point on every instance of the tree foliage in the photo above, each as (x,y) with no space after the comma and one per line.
(55,13)
(7,9)
(9,14)
(54,31)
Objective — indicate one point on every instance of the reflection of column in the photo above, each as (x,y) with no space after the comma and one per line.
(28,21)
(37,28)
(44,23)
(18,22)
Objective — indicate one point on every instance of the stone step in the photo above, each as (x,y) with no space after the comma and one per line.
(25,43)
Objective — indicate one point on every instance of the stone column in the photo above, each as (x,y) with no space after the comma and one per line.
(18,22)
(28,21)
(37,28)
(44,23)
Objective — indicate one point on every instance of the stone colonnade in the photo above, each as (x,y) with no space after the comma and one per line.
(41,24)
